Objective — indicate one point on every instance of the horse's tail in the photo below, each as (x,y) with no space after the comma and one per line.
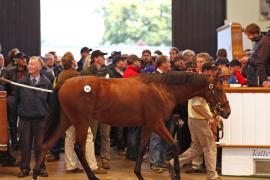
(52,119)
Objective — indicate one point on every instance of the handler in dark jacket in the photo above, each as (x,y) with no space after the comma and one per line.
(262,60)
(32,108)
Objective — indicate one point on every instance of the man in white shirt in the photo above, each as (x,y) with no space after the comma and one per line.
(203,142)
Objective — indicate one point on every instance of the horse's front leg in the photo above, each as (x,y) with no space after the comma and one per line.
(145,137)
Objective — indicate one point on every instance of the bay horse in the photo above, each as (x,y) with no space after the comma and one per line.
(143,100)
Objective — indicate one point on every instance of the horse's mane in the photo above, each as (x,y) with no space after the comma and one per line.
(174,77)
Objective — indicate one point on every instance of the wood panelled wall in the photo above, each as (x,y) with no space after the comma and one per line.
(20,26)
(195,22)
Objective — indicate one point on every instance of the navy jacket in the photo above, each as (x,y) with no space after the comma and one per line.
(33,104)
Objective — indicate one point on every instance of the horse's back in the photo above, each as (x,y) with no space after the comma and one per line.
(112,101)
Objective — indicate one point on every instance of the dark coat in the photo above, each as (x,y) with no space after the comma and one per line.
(33,104)
(262,57)
(47,74)
(115,74)
(93,71)
(57,69)
(12,74)
(80,64)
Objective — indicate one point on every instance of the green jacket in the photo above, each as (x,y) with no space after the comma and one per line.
(93,71)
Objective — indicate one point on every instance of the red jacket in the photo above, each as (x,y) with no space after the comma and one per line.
(240,78)
(131,71)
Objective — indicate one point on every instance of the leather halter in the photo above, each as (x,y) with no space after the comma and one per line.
(218,107)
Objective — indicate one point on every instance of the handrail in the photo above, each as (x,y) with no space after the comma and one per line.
(247,90)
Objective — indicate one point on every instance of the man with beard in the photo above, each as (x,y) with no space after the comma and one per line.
(253,33)
(147,64)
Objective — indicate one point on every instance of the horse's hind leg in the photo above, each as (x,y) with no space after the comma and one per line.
(46,146)
(165,135)
(145,136)
(81,135)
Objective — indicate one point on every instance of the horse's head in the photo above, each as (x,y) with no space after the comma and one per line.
(216,97)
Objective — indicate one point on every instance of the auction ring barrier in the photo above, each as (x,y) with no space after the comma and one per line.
(3,122)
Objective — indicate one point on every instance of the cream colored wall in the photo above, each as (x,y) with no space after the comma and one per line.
(245,12)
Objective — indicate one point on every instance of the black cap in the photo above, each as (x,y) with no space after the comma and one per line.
(117,58)
(97,53)
(158,52)
(85,49)
(220,61)
(235,62)
(115,53)
(190,65)
(209,66)
(21,55)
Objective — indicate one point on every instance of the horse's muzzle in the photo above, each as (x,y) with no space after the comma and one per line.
(224,114)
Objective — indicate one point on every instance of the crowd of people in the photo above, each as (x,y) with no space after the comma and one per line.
(27,108)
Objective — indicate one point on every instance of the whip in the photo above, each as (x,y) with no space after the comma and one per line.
(25,86)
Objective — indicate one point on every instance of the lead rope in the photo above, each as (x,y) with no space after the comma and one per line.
(220,126)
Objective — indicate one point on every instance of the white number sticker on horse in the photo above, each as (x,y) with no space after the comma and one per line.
(87,88)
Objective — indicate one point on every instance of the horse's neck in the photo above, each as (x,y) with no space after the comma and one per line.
(183,93)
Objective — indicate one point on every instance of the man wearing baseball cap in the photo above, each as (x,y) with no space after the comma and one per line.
(85,51)
(203,142)
(119,65)
(99,69)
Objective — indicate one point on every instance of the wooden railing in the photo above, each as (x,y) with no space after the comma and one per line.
(248,90)
(3,122)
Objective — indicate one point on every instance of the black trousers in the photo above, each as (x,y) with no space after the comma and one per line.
(133,143)
(56,149)
(117,137)
(30,131)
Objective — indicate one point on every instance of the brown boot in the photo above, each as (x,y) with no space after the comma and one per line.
(105,164)
(99,171)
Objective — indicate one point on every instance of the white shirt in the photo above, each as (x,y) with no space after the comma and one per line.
(37,79)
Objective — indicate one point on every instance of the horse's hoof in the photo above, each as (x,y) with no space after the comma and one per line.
(139,176)
(93,178)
